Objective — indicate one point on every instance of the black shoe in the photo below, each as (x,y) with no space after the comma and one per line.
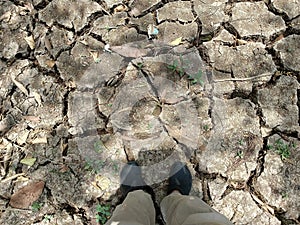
(131,179)
(180,179)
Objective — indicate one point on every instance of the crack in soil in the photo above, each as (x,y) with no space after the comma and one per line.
(205,177)
(199,39)
(43,4)
(152,9)
(298,104)
(231,29)
(275,11)
(90,20)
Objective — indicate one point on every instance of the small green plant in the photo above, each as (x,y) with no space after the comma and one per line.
(36,206)
(284,194)
(240,154)
(241,142)
(116,167)
(47,218)
(103,213)
(88,166)
(99,146)
(179,68)
(206,128)
(196,78)
(283,149)
(140,65)
(175,68)
(149,126)
(94,166)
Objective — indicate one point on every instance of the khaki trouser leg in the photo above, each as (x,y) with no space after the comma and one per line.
(180,209)
(137,209)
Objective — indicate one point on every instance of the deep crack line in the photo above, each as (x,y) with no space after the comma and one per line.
(43,4)
(212,104)
(187,151)
(151,84)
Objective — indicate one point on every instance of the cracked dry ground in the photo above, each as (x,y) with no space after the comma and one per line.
(73,114)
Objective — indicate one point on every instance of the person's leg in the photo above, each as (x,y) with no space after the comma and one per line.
(180,209)
(138,206)
(136,209)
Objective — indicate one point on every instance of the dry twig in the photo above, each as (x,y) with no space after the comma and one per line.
(245,79)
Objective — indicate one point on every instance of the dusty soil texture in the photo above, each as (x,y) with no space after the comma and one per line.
(87,85)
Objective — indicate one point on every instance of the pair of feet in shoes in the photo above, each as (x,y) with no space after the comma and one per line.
(180,179)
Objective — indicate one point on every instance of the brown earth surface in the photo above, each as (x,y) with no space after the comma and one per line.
(87,85)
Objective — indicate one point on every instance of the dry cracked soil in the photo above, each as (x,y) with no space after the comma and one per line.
(87,85)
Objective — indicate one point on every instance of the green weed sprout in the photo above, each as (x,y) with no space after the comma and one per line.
(175,68)
(36,206)
(179,68)
(103,213)
(284,150)
(196,78)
